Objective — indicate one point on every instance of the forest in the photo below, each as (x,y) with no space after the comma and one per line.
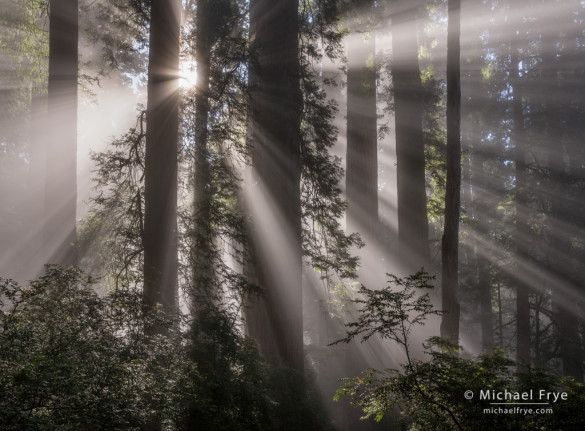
(292,215)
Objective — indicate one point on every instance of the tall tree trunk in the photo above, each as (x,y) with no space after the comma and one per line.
(472,109)
(481,215)
(450,241)
(60,233)
(484,279)
(573,94)
(160,223)
(202,259)
(275,139)
(410,153)
(362,149)
(39,119)
(522,230)
(500,316)
(565,289)
(361,185)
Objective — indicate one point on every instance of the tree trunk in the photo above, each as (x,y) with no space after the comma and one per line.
(565,288)
(450,241)
(484,279)
(478,203)
(202,253)
(276,318)
(160,223)
(481,208)
(410,153)
(361,184)
(60,233)
(362,149)
(35,246)
(573,94)
(522,231)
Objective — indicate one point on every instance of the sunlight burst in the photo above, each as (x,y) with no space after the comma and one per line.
(188,74)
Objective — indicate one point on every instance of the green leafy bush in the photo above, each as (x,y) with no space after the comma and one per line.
(434,394)
(70,359)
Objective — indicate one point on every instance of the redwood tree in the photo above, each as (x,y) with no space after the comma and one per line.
(202,272)
(450,241)
(61,161)
(410,154)
(362,150)
(275,319)
(522,232)
(160,223)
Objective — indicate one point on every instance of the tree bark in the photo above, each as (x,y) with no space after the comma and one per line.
(202,260)
(450,241)
(362,149)
(276,318)
(160,223)
(60,235)
(484,279)
(410,153)
(477,204)
(522,230)
(560,219)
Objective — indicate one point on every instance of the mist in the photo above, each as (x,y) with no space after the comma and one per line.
(308,168)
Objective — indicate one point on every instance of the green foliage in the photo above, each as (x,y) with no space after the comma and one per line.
(24,42)
(430,394)
(392,313)
(435,138)
(23,71)
(215,226)
(229,384)
(119,28)
(110,237)
(325,244)
(234,389)
(296,404)
(324,241)
(70,359)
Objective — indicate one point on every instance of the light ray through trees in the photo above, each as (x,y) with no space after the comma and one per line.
(522,211)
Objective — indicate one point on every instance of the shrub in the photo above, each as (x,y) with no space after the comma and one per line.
(430,394)
(70,359)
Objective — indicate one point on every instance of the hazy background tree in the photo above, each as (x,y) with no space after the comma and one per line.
(23,112)
(361,172)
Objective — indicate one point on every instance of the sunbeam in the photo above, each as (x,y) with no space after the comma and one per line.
(245,210)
